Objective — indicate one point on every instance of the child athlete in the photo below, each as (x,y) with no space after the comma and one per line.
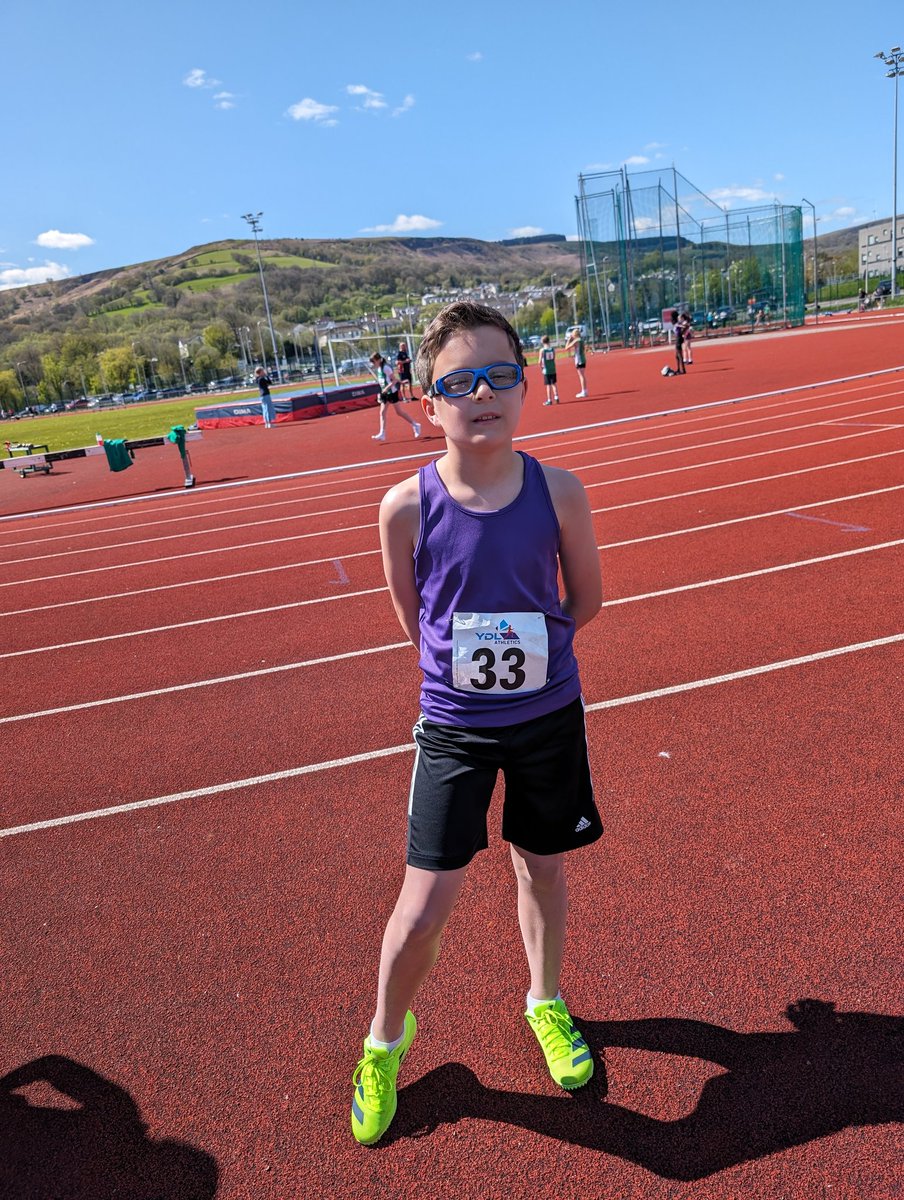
(471,549)
(547,360)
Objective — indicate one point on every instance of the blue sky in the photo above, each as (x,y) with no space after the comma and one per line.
(136,131)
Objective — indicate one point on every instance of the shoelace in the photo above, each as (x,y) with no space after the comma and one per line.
(556,1024)
(373,1075)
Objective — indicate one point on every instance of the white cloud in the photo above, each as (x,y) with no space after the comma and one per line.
(406,104)
(198,78)
(403,224)
(371,99)
(476,56)
(655,146)
(644,224)
(313,110)
(636,160)
(224,100)
(525,231)
(778,177)
(14,277)
(52,239)
(748,195)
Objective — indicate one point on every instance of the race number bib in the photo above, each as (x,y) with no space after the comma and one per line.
(499,654)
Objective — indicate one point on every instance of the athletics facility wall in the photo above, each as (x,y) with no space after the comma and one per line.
(229,414)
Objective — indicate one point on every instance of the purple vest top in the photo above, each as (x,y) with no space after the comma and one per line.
(490,562)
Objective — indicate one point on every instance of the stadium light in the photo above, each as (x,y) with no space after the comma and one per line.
(894,59)
(254,220)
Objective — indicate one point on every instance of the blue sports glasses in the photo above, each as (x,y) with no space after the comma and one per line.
(500,377)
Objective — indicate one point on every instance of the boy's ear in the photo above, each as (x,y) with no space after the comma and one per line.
(429,409)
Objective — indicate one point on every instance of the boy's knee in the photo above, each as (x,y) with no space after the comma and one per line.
(542,872)
(419,923)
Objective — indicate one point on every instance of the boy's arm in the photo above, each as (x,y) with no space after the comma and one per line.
(399,526)
(579,557)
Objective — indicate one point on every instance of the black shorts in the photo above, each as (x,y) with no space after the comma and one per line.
(389,396)
(549,806)
(550,380)
(404,373)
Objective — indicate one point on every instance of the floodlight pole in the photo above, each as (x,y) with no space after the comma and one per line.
(253,220)
(894,59)
(804,200)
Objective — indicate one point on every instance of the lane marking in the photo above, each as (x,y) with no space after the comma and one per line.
(343,578)
(166,587)
(718,487)
(825,521)
(204,489)
(284,517)
(721,487)
(374,755)
(163,587)
(297,666)
(776,512)
(283,499)
(152,562)
(199,683)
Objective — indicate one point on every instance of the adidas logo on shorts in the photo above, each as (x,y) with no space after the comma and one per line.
(582,825)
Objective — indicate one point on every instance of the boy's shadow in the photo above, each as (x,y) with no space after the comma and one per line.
(779,1090)
(96,1149)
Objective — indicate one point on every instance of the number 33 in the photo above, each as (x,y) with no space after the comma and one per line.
(485,659)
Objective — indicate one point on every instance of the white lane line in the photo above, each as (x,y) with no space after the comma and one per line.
(283,518)
(343,578)
(152,562)
(379,463)
(374,755)
(587,446)
(297,666)
(721,487)
(747,673)
(283,499)
(200,683)
(163,587)
(776,512)
(281,503)
(232,616)
(166,587)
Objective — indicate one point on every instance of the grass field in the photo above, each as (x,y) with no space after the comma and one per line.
(65,431)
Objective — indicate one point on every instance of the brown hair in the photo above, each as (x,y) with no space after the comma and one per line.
(455,318)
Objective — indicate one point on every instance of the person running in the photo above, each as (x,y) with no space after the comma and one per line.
(575,342)
(389,396)
(403,370)
(267,408)
(472,545)
(547,361)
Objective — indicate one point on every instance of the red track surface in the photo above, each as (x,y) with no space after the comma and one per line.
(206,958)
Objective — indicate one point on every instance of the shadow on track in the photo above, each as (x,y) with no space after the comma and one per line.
(778,1090)
(94,1148)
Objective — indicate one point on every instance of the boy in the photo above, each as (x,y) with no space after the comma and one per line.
(547,361)
(471,549)
(575,342)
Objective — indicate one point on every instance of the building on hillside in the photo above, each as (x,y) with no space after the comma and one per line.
(875,243)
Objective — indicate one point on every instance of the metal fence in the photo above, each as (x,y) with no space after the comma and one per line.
(651,242)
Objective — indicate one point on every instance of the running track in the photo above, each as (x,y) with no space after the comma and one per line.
(205,712)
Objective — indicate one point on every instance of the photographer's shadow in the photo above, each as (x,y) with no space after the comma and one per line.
(778,1090)
(94,1148)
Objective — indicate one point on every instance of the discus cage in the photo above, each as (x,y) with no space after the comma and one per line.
(651,241)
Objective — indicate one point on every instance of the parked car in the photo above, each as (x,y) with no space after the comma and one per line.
(883,288)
